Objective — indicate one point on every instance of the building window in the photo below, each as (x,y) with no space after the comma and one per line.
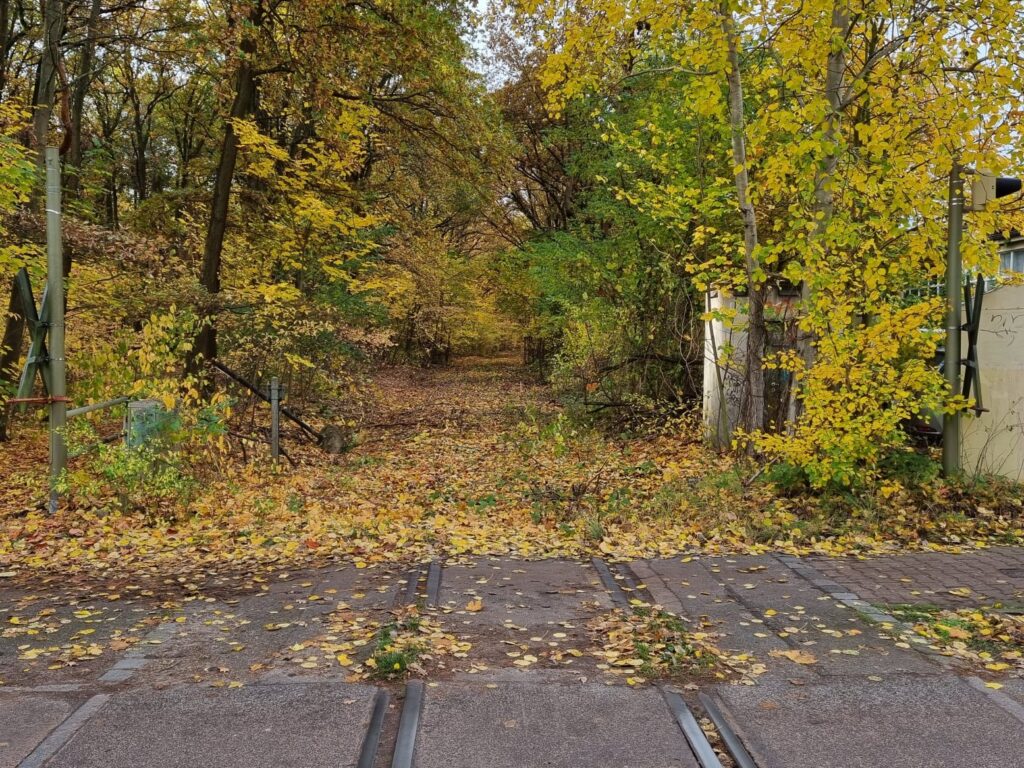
(1012,260)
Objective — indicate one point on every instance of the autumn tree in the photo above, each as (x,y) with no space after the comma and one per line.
(382,71)
(613,316)
(276,167)
(44,89)
(840,122)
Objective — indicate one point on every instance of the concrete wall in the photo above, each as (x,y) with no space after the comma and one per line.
(722,380)
(724,373)
(994,441)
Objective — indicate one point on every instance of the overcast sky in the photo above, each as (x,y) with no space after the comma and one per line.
(494,76)
(478,40)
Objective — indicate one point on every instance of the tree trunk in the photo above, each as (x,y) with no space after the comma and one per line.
(83,81)
(141,164)
(824,197)
(46,85)
(110,201)
(752,399)
(245,98)
(5,23)
(10,351)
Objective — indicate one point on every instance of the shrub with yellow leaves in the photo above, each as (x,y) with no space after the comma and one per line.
(867,382)
(157,466)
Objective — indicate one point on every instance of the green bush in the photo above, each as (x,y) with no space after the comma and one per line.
(910,468)
(787,478)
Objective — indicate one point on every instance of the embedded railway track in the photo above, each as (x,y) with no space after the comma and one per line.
(398,731)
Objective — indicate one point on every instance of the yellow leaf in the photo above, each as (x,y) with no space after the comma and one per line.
(797,656)
(955,632)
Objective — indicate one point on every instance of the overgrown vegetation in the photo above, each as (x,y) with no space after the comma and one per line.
(651,200)
(460,474)
(788,161)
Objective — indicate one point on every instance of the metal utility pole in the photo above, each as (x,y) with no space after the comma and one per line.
(55,323)
(275,418)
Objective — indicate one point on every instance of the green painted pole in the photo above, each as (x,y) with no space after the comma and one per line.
(55,321)
(954,281)
(275,418)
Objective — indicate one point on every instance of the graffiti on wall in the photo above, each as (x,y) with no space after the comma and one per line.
(1004,323)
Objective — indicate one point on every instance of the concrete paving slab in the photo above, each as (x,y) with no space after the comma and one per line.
(689,579)
(330,582)
(533,725)
(905,722)
(59,639)
(1015,690)
(273,726)
(690,589)
(527,594)
(27,718)
(240,639)
(762,582)
(844,643)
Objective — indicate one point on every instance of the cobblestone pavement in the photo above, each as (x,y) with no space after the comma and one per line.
(993,575)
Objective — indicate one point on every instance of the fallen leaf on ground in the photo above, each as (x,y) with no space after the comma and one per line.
(797,656)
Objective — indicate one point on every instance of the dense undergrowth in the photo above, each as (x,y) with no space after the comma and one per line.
(475,459)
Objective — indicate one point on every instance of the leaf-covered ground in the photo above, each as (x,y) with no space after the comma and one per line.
(473,459)
(990,638)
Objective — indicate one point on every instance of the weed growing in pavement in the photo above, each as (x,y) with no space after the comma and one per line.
(992,638)
(407,644)
(649,642)
(394,652)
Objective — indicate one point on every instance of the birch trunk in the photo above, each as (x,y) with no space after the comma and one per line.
(752,399)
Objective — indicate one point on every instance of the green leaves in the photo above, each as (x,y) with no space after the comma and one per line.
(18,176)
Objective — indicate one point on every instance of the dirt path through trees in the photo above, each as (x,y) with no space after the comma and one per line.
(478,393)
(475,459)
